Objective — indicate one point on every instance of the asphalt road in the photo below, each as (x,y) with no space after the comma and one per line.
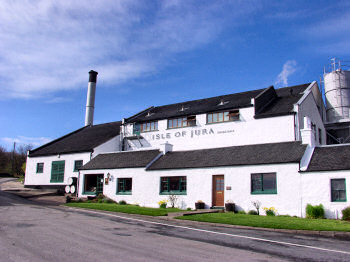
(33,232)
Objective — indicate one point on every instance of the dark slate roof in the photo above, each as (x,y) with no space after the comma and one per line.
(82,140)
(330,158)
(283,105)
(122,160)
(274,153)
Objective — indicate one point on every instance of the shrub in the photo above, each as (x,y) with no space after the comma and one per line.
(252,212)
(346,213)
(122,202)
(99,200)
(270,211)
(162,203)
(189,209)
(242,212)
(100,196)
(314,211)
(108,201)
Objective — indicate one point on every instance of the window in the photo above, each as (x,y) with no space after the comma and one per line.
(149,126)
(93,184)
(145,127)
(264,183)
(182,122)
(40,167)
(173,185)
(338,190)
(124,186)
(57,171)
(226,116)
(77,164)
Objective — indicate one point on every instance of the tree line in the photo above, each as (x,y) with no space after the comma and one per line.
(13,162)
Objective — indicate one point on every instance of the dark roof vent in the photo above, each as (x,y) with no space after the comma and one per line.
(222,102)
(149,114)
(183,109)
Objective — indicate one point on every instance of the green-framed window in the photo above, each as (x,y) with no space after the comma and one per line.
(124,186)
(225,116)
(77,164)
(40,167)
(338,190)
(57,171)
(263,183)
(176,185)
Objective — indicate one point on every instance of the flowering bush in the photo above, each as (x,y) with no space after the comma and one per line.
(162,203)
(270,211)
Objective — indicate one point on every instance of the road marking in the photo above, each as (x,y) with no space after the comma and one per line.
(217,233)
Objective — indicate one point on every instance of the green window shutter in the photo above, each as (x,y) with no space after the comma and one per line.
(77,164)
(57,171)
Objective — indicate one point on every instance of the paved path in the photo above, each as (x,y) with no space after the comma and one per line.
(33,232)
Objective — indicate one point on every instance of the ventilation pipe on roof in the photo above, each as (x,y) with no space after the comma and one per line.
(90,100)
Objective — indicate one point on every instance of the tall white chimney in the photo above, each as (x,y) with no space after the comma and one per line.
(90,101)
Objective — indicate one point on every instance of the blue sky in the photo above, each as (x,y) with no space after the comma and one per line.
(152,53)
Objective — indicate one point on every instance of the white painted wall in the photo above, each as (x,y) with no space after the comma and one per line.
(247,130)
(112,145)
(33,178)
(316,189)
(146,184)
(308,107)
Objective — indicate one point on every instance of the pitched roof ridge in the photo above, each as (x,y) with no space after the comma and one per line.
(107,123)
(57,139)
(139,113)
(202,99)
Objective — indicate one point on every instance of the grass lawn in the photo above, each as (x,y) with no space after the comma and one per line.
(129,209)
(280,222)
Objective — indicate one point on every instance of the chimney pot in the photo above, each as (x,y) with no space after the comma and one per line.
(93,76)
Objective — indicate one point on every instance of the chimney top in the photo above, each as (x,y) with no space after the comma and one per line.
(92,76)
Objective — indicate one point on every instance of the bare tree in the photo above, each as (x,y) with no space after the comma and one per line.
(3,159)
(257,204)
(173,199)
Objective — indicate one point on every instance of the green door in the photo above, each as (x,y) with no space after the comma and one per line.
(99,184)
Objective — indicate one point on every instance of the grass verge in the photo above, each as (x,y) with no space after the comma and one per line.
(280,222)
(129,209)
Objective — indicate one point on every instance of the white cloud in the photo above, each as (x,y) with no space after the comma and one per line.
(288,69)
(24,140)
(48,45)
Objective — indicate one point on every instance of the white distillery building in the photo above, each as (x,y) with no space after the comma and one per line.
(266,145)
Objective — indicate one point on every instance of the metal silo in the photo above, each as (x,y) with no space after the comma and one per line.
(337,93)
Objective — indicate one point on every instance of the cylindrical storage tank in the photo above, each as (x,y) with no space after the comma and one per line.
(337,92)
